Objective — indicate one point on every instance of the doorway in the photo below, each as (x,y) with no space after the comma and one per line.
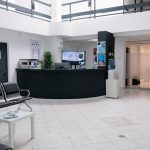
(3,63)
(137,66)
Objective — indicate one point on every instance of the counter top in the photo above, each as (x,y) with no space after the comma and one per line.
(60,70)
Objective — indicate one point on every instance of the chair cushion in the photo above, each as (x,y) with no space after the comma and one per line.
(11,88)
(4,147)
(13,97)
(10,95)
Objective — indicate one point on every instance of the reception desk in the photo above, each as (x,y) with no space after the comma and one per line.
(63,84)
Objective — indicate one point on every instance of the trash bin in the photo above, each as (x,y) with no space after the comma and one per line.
(135,81)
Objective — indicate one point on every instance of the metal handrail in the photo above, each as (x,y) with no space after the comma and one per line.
(95,12)
(27,11)
(43,3)
(80,1)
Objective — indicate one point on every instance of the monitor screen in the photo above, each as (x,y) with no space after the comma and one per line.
(74,57)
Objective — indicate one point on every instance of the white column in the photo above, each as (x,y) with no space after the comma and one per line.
(55,48)
(120,59)
(56,10)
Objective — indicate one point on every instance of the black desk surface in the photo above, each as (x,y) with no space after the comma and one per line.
(63,84)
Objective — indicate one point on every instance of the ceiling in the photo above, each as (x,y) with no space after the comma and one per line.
(142,36)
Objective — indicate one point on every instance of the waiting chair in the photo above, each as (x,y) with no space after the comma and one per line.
(1,95)
(3,102)
(4,147)
(12,95)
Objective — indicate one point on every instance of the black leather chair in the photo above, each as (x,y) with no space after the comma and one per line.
(13,92)
(4,147)
(12,95)
(1,95)
(3,102)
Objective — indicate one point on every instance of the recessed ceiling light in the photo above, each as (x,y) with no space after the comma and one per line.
(93,40)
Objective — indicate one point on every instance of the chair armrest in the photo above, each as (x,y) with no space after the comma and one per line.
(25,92)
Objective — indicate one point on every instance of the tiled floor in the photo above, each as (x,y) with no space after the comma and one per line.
(87,124)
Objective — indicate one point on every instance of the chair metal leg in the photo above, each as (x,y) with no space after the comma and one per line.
(28,106)
(19,107)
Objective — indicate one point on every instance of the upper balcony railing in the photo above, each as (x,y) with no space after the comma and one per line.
(83,9)
(33,8)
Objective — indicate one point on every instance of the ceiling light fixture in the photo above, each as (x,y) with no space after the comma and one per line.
(93,40)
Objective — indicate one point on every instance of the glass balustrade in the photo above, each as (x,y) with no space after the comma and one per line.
(35,8)
(82,9)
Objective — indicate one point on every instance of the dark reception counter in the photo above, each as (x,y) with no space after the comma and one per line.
(63,84)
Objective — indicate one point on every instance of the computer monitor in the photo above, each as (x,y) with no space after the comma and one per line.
(74,57)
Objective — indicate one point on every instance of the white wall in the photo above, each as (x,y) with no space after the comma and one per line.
(60,29)
(82,46)
(19,22)
(53,47)
(19,48)
(56,10)
(114,24)
(120,59)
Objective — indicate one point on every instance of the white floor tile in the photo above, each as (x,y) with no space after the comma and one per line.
(86,124)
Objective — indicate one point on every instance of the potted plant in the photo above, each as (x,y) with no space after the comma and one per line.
(47,60)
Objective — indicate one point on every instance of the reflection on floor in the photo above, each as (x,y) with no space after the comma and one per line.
(145,84)
(87,124)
